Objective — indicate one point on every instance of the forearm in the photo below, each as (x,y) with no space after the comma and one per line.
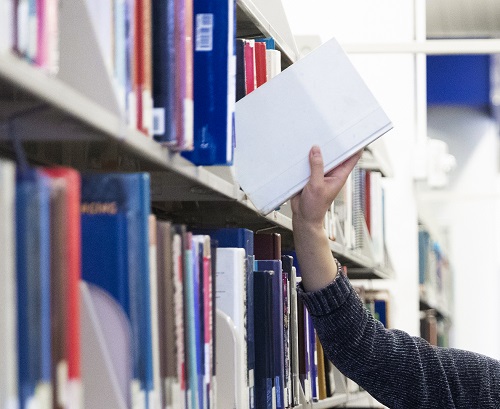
(317,265)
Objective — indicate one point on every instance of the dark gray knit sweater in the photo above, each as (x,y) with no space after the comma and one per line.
(398,370)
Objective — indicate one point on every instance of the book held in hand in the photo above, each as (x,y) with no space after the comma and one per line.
(319,100)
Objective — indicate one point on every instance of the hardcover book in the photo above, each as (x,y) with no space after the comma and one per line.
(278,326)
(214,83)
(264,345)
(321,99)
(33,287)
(115,257)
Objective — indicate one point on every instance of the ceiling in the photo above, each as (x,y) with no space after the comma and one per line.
(463,18)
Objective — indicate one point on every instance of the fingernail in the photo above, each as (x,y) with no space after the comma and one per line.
(315,151)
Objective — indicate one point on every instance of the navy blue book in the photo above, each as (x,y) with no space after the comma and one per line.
(213,83)
(115,256)
(278,325)
(241,89)
(263,335)
(33,282)
(242,238)
(163,71)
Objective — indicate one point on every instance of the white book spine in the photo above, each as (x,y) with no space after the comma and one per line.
(8,299)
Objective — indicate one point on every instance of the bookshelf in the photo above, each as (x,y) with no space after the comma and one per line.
(58,122)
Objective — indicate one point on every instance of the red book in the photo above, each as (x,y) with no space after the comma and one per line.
(249,55)
(68,231)
(260,63)
(138,61)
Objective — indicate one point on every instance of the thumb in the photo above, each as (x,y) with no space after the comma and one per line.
(316,164)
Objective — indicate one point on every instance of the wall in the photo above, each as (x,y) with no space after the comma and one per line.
(392,80)
(468,213)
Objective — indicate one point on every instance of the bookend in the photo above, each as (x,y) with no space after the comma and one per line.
(228,362)
(82,64)
(106,350)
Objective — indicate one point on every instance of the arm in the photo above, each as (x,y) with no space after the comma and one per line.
(399,370)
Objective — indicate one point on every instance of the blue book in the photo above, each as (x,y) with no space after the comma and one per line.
(33,282)
(269,41)
(115,256)
(278,325)
(263,335)
(198,308)
(313,362)
(190,292)
(164,56)
(214,82)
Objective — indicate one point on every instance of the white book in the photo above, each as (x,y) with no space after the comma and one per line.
(6,27)
(8,321)
(273,63)
(321,99)
(230,298)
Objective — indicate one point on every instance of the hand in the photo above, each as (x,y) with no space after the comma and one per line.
(311,204)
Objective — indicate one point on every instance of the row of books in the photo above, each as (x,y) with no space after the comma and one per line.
(357,216)
(176,67)
(434,271)
(103,302)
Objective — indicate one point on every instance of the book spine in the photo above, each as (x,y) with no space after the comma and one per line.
(8,287)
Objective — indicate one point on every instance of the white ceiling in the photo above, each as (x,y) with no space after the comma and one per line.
(463,18)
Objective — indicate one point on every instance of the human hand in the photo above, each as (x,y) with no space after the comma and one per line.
(311,204)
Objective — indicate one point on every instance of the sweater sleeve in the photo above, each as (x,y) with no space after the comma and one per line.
(397,369)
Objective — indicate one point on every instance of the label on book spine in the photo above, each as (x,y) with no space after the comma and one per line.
(204,32)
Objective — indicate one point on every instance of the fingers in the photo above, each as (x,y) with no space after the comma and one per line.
(316,164)
(345,167)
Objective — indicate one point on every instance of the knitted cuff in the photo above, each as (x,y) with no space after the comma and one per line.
(329,298)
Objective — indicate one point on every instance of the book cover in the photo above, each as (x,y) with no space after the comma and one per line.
(278,337)
(183,93)
(294,338)
(287,265)
(230,298)
(155,397)
(166,304)
(179,240)
(191,286)
(214,83)
(199,307)
(267,246)
(164,57)
(273,63)
(241,89)
(264,340)
(33,287)
(8,287)
(249,58)
(260,63)
(115,256)
(322,96)
(6,25)
(207,295)
(65,279)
